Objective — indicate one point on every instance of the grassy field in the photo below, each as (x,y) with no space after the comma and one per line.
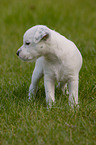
(23,122)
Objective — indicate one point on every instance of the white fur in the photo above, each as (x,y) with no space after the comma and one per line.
(57,59)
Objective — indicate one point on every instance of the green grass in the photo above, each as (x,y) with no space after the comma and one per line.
(23,122)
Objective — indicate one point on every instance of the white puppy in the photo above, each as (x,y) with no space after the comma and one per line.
(57,59)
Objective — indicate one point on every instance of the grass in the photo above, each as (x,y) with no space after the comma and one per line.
(23,122)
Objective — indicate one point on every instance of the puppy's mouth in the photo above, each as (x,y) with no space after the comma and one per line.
(28,59)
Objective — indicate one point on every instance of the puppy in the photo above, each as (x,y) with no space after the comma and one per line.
(57,58)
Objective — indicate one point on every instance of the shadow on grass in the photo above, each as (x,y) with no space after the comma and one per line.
(21,93)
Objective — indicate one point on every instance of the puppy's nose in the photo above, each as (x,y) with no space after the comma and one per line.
(18,52)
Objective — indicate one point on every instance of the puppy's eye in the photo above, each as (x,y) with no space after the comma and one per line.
(27,43)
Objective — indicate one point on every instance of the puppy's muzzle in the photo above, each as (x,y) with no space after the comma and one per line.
(18,51)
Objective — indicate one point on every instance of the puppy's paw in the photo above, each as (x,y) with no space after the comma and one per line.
(74,105)
(31,96)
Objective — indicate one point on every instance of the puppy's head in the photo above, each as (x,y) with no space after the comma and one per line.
(35,43)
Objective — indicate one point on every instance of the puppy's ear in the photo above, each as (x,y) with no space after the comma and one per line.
(41,34)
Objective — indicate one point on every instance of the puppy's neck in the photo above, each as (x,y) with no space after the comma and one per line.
(53,52)
(51,58)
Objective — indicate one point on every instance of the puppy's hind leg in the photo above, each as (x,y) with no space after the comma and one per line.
(73,91)
(63,86)
(65,89)
(36,76)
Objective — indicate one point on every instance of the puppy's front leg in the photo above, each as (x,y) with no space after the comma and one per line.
(73,92)
(49,90)
(37,74)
